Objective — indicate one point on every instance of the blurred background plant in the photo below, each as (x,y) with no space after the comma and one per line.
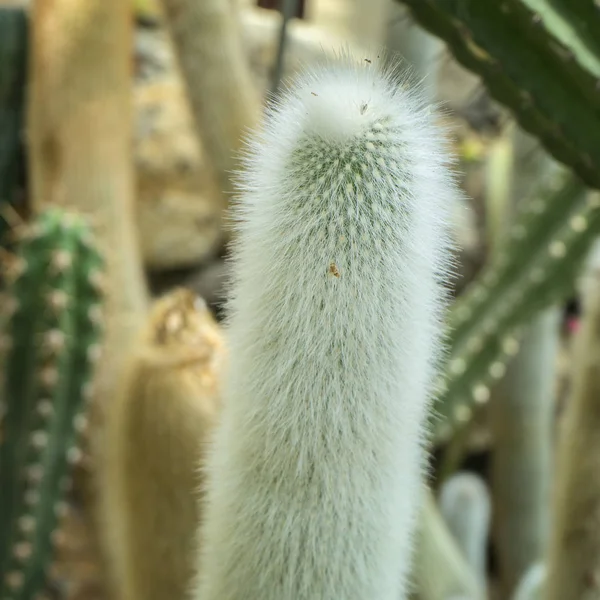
(127,119)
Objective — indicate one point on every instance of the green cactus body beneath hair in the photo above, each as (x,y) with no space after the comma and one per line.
(49,335)
(541,58)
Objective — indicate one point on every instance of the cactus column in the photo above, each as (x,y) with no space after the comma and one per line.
(157,431)
(223,97)
(80,141)
(334,328)
(441,570)
(522,411)
(574,555)
(49,340)
(466,506)
(80,152)
(522,462)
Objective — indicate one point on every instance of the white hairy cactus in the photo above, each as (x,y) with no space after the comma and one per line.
(334,330)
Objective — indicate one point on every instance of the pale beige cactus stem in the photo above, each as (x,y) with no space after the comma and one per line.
(80,136)
(158,426)
(574,557)
(224,99)
(80,156)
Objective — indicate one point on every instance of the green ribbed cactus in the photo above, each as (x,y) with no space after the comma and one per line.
(541,58)
(49,341)
(536,265)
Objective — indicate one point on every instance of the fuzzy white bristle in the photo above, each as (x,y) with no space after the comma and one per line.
(334,330)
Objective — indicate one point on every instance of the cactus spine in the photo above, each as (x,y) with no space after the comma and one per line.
(49,342)
(340,254)
(157,429)
(466,506)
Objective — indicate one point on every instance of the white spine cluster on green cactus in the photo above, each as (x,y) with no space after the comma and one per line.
(339,267)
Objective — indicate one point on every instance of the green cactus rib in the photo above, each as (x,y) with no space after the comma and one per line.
(556,202)
(575,24)
(13,70)
(50,334)
(532,58)
(535,268)
(576,53)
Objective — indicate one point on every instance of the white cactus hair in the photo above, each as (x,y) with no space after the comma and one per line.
(334,327)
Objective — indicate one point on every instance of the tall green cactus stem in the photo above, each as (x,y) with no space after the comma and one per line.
(574,554)
(341,252)
(49,338)
(541,58)
(535,267)
(465,504)
(441,570)
(531,586)
(13,70)
(522,417)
